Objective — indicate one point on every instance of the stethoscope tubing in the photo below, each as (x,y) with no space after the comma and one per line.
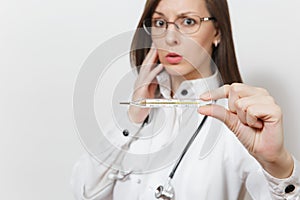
(187,146)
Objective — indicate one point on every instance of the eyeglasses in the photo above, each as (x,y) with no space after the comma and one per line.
(185,25)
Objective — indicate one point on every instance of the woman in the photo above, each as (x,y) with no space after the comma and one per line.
(249,154)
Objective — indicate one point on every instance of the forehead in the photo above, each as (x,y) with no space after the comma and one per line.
(176,7)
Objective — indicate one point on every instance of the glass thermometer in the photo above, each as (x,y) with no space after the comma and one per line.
(155,103)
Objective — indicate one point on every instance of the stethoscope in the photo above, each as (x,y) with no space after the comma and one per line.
(167,192)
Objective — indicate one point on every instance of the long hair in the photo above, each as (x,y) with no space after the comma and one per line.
(223,55)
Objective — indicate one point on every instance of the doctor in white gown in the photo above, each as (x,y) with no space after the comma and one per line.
(240,146)
(217,166)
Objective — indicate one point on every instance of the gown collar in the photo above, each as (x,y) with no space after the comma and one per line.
(188,88)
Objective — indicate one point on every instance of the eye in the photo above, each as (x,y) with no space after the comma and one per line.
(159,23)
(188,22)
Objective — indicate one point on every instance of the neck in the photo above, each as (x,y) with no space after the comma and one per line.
(177,80)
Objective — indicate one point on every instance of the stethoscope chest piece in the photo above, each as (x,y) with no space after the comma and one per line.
(165,193)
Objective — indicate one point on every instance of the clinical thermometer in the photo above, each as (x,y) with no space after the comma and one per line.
(155,103)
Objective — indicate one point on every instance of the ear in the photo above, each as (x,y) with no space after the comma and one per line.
(217,37)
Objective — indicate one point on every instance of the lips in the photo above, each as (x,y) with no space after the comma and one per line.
(173,58)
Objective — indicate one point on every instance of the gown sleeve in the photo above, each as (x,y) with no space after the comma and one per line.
(288,188)
(91,180)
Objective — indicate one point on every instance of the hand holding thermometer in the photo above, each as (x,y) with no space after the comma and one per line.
(155,103)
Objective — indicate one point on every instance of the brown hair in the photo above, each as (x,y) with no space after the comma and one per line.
(223,55)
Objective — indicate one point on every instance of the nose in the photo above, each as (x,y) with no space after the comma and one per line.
(172,35)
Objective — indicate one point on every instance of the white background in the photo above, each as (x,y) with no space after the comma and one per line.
(43,45)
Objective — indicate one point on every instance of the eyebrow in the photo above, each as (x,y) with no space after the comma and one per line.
(179,15)
(160,13)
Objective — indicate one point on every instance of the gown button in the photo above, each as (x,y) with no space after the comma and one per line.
(184,92)
(289,189)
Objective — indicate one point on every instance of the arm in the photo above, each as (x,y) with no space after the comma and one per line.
(145,85)
(256,120)
(90,178)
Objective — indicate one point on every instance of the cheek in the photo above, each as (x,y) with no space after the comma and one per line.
(196,50)
(205,43)
(158,42)
(207,38)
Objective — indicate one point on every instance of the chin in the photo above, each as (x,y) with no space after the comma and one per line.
(177,70)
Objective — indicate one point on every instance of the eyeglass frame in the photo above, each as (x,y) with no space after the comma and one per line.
(202,19)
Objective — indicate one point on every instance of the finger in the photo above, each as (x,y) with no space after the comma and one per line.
(245,102)
(269,114)
(242,90)
(145,79)
(150,59)
(249,119)
(234,92)
(252,120)
(219,93)
(242,107)
(242,116)
(233,97)
(152,74)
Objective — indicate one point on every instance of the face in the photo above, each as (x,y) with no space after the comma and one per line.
(185,54)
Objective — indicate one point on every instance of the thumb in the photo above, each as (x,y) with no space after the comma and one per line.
(220,113)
